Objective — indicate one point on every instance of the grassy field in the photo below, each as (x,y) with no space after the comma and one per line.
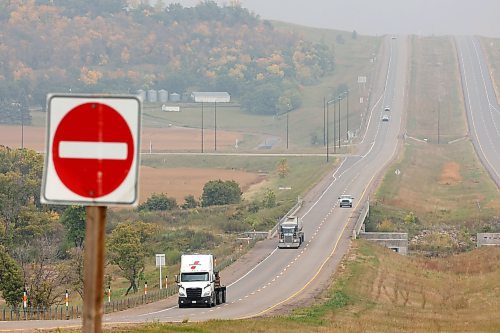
(380,291)
(441,179)
(303,171)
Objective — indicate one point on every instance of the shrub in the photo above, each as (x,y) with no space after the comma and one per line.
(158,202)
(218,192)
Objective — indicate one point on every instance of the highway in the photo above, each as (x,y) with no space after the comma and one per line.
(483,111)
(283,276)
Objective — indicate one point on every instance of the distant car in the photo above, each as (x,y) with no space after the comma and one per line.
(385,118)
(387,108)
(394,37)
(345,200)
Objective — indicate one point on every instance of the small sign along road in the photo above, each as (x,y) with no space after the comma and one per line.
(92,150)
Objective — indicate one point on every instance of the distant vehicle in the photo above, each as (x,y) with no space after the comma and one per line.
(394,37)
(387,108)
(290,232)
(345,200)
(385,118)
(198,282)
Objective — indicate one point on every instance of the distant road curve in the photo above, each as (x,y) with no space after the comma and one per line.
(483,111)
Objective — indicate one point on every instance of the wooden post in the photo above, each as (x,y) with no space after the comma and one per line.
(94,268)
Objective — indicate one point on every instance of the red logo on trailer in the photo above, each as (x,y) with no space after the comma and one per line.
(195,264)
(93,150)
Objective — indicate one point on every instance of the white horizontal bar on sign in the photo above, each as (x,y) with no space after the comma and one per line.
(93,150)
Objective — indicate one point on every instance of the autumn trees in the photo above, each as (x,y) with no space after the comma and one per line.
(113,46)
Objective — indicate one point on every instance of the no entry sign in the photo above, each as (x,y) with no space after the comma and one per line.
(92,150)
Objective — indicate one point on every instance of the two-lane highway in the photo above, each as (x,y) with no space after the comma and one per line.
(289,275)
(483,111)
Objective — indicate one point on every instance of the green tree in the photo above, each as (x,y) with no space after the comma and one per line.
(10,279)
(218,192)
(73,220)
(128,246)
(158,202)
(262,99)
(20,179)
(269,200)
(190,202)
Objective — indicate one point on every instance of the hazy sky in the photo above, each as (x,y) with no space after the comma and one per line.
(378,17)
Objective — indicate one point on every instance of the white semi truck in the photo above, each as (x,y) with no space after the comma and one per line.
(199,283)
(290,232)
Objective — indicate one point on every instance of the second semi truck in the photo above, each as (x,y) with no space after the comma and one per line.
(290,232)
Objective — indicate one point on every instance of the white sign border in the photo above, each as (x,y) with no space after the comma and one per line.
(120,196)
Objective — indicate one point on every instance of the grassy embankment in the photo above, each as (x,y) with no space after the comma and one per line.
(441,179)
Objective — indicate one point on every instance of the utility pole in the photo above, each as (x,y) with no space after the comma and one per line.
(347,116)
(324,121)
(327,138)
(202,127)
(215,126)
(22,127)
(439,117)
(340,99)
(287,128)
(334,125)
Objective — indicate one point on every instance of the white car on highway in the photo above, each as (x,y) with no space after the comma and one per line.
(345,200)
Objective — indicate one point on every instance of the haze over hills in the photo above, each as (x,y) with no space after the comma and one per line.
(369,17)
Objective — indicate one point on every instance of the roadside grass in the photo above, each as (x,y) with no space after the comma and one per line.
(443,184)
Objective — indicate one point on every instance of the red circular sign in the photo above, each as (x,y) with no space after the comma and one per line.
(92,150)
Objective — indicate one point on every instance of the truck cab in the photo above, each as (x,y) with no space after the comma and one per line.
(290,232)
(198,283)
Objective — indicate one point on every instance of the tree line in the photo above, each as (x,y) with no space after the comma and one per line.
(117,46)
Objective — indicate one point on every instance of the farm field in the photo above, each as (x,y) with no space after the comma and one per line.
(161,139)
(180,182)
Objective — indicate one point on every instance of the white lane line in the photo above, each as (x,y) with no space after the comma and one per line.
(250,271)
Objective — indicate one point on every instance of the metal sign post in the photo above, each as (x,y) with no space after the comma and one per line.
(160,261)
